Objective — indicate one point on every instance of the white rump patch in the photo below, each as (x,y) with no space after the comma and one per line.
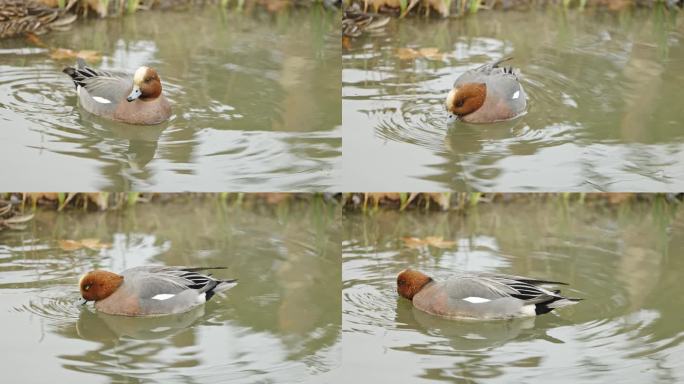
(101,100)
(163,296)
(516,95)
(529,310)
(476,300)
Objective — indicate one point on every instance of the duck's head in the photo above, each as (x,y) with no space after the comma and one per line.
(465,99)
(410,282)
(146,84)
(99,284)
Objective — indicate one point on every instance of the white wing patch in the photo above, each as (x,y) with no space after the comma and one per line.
(476,300)
(163,296)
(101,100)
(516,95)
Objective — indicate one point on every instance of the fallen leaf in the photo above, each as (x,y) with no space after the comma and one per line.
(407,53)
(35,40)
(412,54)
(432,241)
(431,53)
(95,244)
(413,242)
(443,199)
(36,196)
(69,54)
(101,199)
(346,42)
(73,245)
(70,245)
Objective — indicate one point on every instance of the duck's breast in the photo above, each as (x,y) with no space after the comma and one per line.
(144,112)
(122,302)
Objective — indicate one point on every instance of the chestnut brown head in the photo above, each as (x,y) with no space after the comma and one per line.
(410,282)
(146,85)
(99,284)
(466,98)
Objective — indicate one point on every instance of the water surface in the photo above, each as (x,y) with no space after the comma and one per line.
(281,323)
(255,96)
(625,261)
(603,92)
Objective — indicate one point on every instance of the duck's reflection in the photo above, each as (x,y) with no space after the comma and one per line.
(471,335)
(97,326)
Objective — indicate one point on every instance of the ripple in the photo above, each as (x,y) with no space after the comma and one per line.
(53,304)
(37,93)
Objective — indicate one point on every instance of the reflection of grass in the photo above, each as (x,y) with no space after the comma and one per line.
(462,202)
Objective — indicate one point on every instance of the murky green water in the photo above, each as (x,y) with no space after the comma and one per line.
(280,324)
(624,261)
(603,91)
(256,105)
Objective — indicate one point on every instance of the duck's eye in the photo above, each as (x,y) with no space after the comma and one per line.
(459,103)
(86,287)
(148,79)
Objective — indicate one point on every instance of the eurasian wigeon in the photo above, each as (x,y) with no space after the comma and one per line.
(480,296)
(116,97)
(486,94)
(151,290)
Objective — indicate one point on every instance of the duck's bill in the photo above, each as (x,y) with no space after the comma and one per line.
(451,118)
(135,93)
(82,301)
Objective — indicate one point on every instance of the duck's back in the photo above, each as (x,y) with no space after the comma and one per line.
(505,97)
(464,297)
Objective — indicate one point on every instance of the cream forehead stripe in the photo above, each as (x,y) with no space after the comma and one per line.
(139,76)
(450,97)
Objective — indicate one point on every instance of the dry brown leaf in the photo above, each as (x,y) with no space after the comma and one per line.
(407,53)
(379,196)
(70,245)
(35,40)
(432,241)
(346,43)
(51,3)
(37,196)
(69,54)
(431,53)
(377,4)
(100,199)
(413,242)
(412,54)
(95,244)
(73,245)
(98,6)
(443,199)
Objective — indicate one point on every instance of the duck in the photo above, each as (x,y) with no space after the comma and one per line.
(480,296)
(151,290)
(486,94)
(18,17)
(355,22)
(116,97)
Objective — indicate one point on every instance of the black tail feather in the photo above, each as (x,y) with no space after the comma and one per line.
(548,306)
(210,293)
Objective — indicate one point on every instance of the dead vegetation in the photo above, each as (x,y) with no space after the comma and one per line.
(457,8)
(447,201)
